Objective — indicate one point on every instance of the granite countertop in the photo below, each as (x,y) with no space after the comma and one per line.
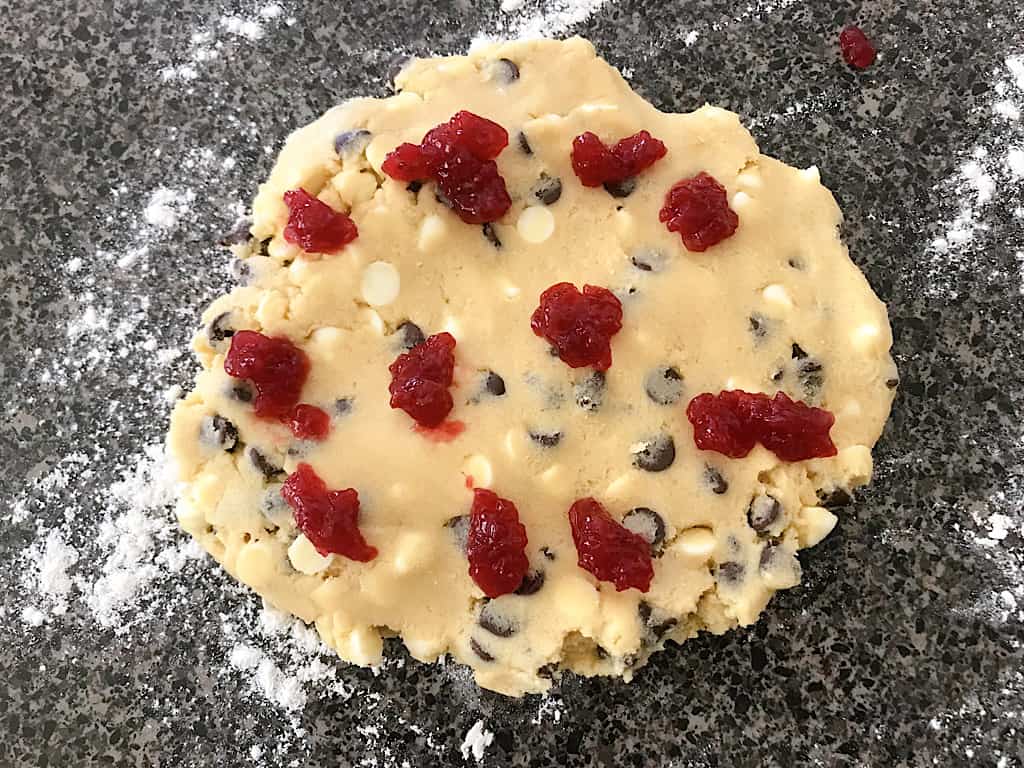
(903,646)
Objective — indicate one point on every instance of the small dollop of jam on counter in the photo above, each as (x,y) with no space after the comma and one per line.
(459,157)
(314,226)
(595,164)
(857,50)
(496,544)
(698,209)
(579,325)
(607,549)
(420,379)
(329,519)
(278,370)
(732,422)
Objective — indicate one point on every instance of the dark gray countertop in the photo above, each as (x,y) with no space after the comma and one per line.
(903,647)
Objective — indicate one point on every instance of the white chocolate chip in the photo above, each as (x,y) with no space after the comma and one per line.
(364,646)
(865,336)
(374,321)
(381,284)
(696,542)
(452,326)
(412,552)
(354,186)
(553,477)
(255,563)
(432,232)
(479,468)
(536,224)
(813,524)
(304,557)
(811,174)
(511,291)
(851,409)
(751,179)
(620,486)
(624,223)
(740,200)
(777,294)
(399,491)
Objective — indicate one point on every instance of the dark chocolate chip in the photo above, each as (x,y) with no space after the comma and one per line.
(546,439)
(622,188)
(343,406)
(664,385)
(731,571)
(531,583)
(524,144)
(714,480)
(547,553)
(548,189)
(810,376)
(505,71)
(600,652)
(778,375)
(763,511)
(494,384)
(644,609)
(410,335)
(263,249)
(414,186)
(459,526)
(479,650)
(892,383)
(242,393)
(767,558)
(758,326)
(647,524)
(218,432)
(798,352)
(263,465)
(220,328)
(352,142)
(496,623)
(836,498)
(237,235)
(796,263)
(589,392)
(547,672)
(630,660)
(657,628)
(491,235)
(241,271)
(272,503)
(648,259)
(655,455)
(442,198)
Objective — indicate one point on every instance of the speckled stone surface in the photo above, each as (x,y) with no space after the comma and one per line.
(879,659)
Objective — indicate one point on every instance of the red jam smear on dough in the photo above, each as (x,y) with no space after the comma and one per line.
(307,422)
(445,432)
(329,519)
(607,549)
(495,544)
(579,325)
(595,163)
(698,209)
(420,379)
(314,226)
(733,421)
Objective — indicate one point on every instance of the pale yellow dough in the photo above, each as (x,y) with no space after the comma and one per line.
(785,267)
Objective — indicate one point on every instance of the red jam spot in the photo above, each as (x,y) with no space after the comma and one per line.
(608,550)
(596,164)
(459,157)
(275,366)
(731,422)
(857,50)
(314,226)
(420,379)
(327,518)
(698,209)
(495,544)
(578,325)
(307,422)
(469,482)
(444,432)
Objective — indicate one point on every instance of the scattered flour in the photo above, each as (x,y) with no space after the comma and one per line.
(167,206)
(477,740)
(548,19)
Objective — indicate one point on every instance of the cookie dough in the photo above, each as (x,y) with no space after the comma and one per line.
(778,306)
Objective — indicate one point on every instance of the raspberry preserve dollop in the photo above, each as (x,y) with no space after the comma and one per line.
(857,50)
(595,163)
(579,325)
(276,367)
(329,519)
(607,549)
(698,209)
(420,379)
(459,157)
(495,544)
(307,422)
(314,226)
(733,421)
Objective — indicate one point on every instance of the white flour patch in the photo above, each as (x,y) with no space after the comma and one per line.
(167,206)
(546,19)
(477,740)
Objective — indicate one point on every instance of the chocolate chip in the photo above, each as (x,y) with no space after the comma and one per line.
(796,263)
(242,393)
(410,335)
(272,503)
(714,480)
(657,627)
(778,375)
(220,328)
(479,650)
(442,198)
(241,271)
(600,652)
(491,235)
(589,392)
(237,235)
(648,259)
(548,189)
(622,188)
(352,142)
(414,186)
(664,385)
(647,524)
(531,583)
(459,527)
(547,672)
(524,144)
(655,455)
(496,623)
(758,327)
(218,432)
(798,352)
(731,572)
(263,465)
(494,384)
(763,511)
(505,71)
(343,406)
(836,498)
(768,555)
(547,553)
(546,439)
(810,376)
(892,383)
(263,249)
